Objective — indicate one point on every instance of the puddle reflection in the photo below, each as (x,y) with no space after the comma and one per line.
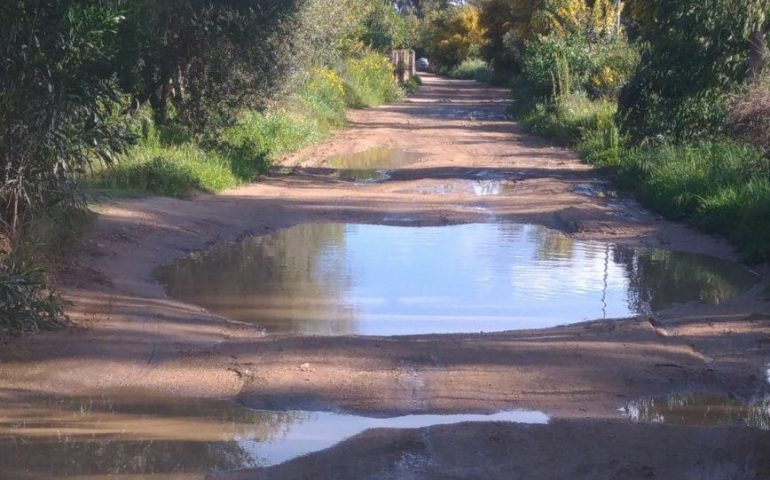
(102,438)
(371,165)
(700,409)
(387,280)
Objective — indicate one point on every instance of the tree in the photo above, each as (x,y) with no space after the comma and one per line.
(695,54)
(207,59)
(58,101)
(454,35)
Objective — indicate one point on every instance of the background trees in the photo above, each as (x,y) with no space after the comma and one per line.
(166,96)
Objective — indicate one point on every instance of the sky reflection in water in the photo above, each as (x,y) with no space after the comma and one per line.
(386,280)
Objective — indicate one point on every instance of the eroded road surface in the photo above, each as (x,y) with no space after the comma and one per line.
(388,305)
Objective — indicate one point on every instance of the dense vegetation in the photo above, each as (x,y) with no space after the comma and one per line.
(672,97)
(165,96)
(172,96)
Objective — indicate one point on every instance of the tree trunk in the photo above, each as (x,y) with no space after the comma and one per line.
(758,54)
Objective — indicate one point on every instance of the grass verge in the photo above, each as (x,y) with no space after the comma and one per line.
(719,185)
(167,163)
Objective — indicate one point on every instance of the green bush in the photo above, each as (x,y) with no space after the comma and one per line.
(718,185)
(26,305)
(413,84)
(612,64)
(567,119)
(602,146)
(170,162)
(472,69)
(369,81)
(693,57)
(550,59)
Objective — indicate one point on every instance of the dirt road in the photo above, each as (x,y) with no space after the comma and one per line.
(130,336)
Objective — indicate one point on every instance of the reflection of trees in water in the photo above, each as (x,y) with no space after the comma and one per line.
(659,278)
(288,281)
(100,437)
(551,245)
(701,409)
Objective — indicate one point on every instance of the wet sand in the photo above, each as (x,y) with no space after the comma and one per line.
(129,336)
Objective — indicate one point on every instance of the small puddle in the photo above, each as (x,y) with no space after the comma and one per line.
(596,190)
(481,188)
(700,409)
(371,165)
(102,437)
(336,279)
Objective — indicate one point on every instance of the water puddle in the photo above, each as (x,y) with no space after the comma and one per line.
(480,188)
(371,165)
(335,279)
(100,438)
(700,409)
(622,207)
(596,190)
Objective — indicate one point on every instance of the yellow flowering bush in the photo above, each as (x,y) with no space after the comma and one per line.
(324,91)
(370,80)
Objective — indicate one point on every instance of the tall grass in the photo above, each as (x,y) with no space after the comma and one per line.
(568,118)
(718,185)
(167,163)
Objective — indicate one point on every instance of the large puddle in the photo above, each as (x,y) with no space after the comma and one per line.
(98,438)
(334,279)
(701,409)
(371,165)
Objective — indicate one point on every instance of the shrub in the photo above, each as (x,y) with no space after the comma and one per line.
(554,63)
(612,64)
(26,305)
(472,69)
(568,118)
(749,116)
(370,81)
(171,162)
(413,84)
(693,56)
(602,146)
(58,102)
(454,34)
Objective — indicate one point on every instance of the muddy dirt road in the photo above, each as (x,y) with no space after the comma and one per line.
(130,337)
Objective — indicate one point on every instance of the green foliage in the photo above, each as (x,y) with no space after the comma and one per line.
(472,69)
(568,118)
(413,84)
(553,61)
(384,28)
(369,81)
(558,64)
(454,34)
(694,55)
(58,102)
(718,185)
(721,185)
(612,64)
(166,163)
(26,305)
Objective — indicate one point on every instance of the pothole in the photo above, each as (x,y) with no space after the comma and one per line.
(339,279)
(101,437)
(481,188)
(700,409)
(371,165)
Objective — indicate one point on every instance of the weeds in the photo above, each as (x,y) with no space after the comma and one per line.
(26,305)
(170,163)
(472,69)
